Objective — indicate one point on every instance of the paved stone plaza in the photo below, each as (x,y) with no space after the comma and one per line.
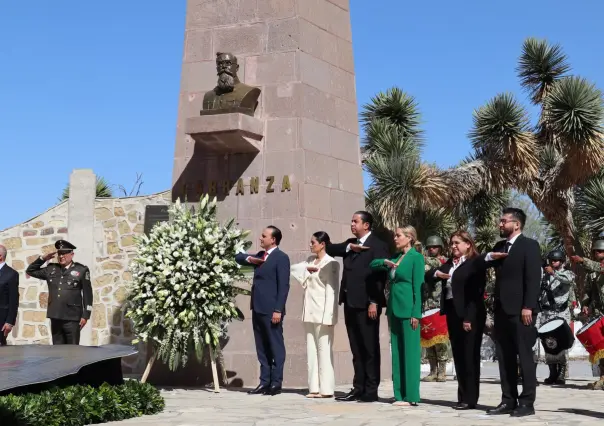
(569,405)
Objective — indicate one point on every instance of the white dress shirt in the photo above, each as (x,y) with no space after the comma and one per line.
(511,241)
(268,253)
(361,241)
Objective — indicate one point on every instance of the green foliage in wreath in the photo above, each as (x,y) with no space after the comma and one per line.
(81,405)
(183,295)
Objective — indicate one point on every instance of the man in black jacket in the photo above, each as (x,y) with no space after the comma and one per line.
(362,294)
(517,263)
(9,297)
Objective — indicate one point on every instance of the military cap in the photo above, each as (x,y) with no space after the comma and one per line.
(434,241)
(598,244)
(64,246)
(556,255)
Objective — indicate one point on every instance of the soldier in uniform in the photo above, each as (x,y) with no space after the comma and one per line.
(554,301)
(437,355)
(593,300)
(69,293)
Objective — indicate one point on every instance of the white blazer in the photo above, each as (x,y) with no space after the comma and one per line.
(320,289)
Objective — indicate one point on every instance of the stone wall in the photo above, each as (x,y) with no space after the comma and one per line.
(25,242)
(116,223)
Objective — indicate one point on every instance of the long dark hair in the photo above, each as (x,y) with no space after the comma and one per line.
(466,238)
(321,237)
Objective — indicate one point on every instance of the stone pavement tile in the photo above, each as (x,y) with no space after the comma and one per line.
(556,406)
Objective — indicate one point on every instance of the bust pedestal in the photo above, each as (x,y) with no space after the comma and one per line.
(226,132)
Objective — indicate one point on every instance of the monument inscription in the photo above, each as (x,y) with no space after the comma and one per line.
(224,187)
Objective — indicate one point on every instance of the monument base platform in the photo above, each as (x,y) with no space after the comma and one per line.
(34,368)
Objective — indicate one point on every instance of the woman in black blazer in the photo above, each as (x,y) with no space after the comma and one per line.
(462,301)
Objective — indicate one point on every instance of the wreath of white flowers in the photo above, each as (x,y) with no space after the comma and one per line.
(182,294)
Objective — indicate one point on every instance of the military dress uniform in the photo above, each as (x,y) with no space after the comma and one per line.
(439,354)
(69,295)
(594,298)
(554,302)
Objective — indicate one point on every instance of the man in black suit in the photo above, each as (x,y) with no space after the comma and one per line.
(9,296)
(269,296)
(362,294)
(517,263)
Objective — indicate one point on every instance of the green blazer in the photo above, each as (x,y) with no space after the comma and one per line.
(405,300)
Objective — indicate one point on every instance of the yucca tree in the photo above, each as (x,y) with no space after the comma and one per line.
(406,190)
(546,161)
(392,157)
(103,189)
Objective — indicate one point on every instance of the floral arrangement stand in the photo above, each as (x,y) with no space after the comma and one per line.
(182,295)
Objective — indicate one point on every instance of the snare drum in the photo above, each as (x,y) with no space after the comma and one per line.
(556,336)
(433,328)
(591,337)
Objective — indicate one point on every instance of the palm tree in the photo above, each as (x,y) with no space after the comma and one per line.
(103,189)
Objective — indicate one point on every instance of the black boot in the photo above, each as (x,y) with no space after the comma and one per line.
(553,374)
(561,379)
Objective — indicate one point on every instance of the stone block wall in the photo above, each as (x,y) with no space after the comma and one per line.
(116,223)
(25,242)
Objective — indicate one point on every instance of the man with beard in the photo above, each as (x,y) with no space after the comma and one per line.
(517,263)
(593,300)
(362,294)
(230,93)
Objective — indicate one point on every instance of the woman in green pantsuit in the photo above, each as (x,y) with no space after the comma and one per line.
(404,312)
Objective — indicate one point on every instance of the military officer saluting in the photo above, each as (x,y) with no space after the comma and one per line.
(69,293)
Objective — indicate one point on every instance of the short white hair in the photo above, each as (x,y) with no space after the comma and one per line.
(3,252)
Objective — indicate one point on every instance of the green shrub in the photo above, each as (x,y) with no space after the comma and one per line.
(81,405)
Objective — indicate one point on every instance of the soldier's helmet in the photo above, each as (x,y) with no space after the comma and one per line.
(556,255)
(598,244)
(434,241)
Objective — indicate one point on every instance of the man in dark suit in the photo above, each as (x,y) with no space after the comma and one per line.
(517,263)
(9,296)
(269,296)
(362,294)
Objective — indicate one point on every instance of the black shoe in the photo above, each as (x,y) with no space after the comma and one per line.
(553,374)
(523,410)
(464,406)
(350,396)
(501,409)
(273,390)
(368,398)
(259,390)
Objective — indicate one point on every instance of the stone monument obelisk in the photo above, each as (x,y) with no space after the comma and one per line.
(292,161)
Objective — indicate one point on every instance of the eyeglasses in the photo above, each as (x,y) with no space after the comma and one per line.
(505,221)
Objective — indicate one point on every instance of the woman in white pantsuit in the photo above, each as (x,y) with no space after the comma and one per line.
(320,278)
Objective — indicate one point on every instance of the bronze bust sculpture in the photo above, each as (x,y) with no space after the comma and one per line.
(230,94)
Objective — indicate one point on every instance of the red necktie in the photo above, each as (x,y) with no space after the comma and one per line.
(265,255)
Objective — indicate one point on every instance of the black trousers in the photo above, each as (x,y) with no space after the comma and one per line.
(65,332)
(364,339)
(270,348)
(2,339)
(465,346)
(514,341)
